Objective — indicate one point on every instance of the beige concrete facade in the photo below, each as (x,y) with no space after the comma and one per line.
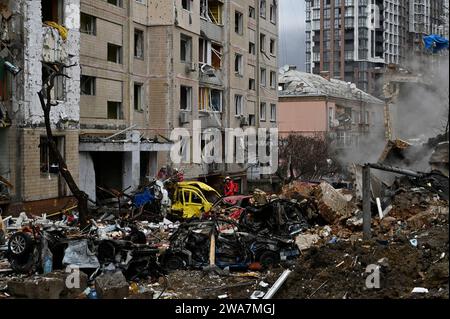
(166,75)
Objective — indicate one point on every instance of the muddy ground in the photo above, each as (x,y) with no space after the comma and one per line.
(338,270)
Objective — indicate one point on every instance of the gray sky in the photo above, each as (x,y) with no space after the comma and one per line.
(292,33)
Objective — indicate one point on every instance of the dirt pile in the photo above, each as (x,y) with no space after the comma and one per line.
(339,270)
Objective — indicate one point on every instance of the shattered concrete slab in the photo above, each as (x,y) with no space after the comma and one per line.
(333,206)
(112,286)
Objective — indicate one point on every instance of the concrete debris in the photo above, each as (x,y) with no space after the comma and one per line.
(136,247)
(306,241)
(332,205)
(112,286)
(37,287)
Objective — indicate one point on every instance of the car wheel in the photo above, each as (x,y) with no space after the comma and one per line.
(174,262)
(25,264)
(269,258)
(20,244)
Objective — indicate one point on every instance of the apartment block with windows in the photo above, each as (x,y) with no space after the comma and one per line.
(123,84)
(353,40)
(151,66)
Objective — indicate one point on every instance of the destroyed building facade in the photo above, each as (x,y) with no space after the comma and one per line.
(354,39)
(141,69)
(313,105)
(161,65)
(32,41)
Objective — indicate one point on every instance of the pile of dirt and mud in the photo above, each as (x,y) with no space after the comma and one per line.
(343,269)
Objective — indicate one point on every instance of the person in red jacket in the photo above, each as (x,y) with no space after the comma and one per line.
(231,188)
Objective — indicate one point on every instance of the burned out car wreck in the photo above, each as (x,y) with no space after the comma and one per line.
(192,244)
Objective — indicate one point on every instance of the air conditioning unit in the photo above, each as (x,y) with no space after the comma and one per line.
(184,118)
(207,69)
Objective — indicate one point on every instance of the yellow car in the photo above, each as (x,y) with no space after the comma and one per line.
(192,199)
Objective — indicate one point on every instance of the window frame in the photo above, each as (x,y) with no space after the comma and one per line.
(187,47)
(140,33)
(93,85)
(140,96)
(93,32)
(262,115)
(188,98)
(238,98)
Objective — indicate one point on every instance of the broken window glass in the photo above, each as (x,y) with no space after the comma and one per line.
(48,162)
(215,11)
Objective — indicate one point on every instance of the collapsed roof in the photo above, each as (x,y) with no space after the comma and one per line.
(297,83)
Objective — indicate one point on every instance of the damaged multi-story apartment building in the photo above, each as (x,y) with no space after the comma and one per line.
(160,65)
(31,42)
(140,69)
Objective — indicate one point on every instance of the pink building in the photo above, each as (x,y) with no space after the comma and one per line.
(311,104)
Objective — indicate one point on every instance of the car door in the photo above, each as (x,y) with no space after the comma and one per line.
(193,207)
(179,201)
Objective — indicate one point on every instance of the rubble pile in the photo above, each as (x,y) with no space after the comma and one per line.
(306,242)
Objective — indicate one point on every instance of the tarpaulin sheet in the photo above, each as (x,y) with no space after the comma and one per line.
(435,42)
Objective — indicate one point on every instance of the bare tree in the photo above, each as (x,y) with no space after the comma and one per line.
(305,157)
(45,97)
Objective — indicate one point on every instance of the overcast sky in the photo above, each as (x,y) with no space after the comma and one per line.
(292,33)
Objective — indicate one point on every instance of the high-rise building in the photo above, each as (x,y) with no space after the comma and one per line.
(354,39)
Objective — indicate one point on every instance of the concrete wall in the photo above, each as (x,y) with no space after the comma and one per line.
(68,109)
(87,175)
(34,184)
(302,116)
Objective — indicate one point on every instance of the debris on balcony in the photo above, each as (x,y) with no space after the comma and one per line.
(54,46)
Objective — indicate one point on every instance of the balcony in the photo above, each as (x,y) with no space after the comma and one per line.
(211,30)
(210,119)
(209,75)
(55,46)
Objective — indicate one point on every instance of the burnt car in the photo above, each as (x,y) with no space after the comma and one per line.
(279,217)
(234,248)
(26,251)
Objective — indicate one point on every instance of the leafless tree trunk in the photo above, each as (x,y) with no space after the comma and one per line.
(46,103)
